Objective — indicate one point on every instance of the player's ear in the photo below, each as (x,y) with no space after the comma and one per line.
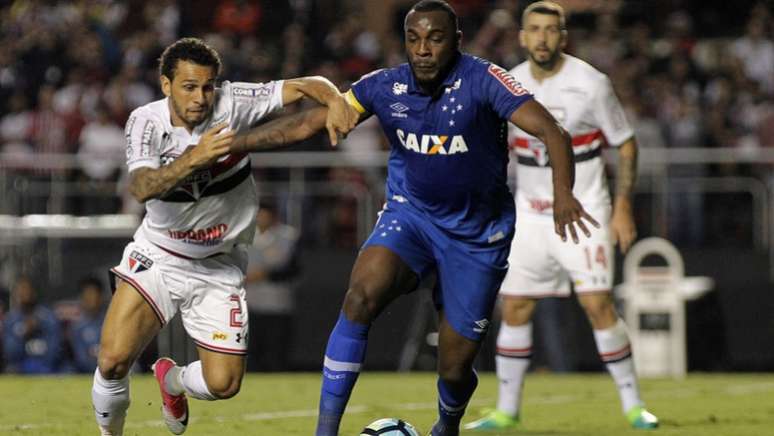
(522,39)
(166,85)
(563,41)
(459,38)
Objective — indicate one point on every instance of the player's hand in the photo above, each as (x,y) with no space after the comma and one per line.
(341,119)
(569,213)
(214,143)
(622,228)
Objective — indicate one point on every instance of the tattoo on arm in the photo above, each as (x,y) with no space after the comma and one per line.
(281,131)
(148,183)
(627,170)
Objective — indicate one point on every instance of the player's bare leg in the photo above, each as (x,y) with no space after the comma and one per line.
(456,378)
(130,324)
(514,352)
(615,350)
(215,376)
(378,277)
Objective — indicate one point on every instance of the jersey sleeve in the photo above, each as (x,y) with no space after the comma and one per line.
(502,91)
(251,102)
(610,115)
(361,95)
(143,141)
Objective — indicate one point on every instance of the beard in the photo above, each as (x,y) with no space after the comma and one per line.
(546,63)
(186,118)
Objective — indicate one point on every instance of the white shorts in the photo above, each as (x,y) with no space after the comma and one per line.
(208,292)
(541,265)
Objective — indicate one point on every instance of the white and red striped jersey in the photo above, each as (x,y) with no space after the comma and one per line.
(212,209)
(581,98)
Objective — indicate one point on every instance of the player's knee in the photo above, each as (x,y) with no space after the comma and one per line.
(601,312)
(453,373)
(224,387)
(113,364)
(358,306)
(517,312)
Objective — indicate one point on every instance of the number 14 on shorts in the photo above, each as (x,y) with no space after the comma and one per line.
(595,255)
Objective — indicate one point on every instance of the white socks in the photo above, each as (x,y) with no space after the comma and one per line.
(514,351)
(191,380)
(111,400)
(615,351)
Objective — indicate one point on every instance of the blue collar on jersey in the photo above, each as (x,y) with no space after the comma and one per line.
(414,88)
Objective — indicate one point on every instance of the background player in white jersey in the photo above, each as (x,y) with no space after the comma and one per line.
(187,254)
(582,100)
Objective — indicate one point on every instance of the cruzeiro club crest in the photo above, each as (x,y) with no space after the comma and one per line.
(138,262)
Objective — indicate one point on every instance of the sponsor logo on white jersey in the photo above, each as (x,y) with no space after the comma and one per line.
(210,236)
(262,91)
(432,144)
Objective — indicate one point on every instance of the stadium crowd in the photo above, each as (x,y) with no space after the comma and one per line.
(71,72)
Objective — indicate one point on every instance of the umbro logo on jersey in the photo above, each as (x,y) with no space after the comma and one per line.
(399,88)
(432,144)
(398,109)
(138,262)
(481,325)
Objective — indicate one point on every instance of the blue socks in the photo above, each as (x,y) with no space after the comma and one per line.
(452,401)
(343,358)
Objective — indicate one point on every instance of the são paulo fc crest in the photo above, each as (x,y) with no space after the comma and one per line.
(138,262)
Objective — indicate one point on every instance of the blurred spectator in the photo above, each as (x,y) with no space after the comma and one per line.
(756,52)
(102,147)
(32,337)
(47,127)
(14,131)
(273,268)
(85,331)
(237,17)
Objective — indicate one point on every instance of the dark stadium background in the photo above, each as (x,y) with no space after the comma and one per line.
(674,64)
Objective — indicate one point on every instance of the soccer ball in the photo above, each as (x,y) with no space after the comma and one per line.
(389,427)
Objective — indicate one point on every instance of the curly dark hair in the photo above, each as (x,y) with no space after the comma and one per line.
(188,49)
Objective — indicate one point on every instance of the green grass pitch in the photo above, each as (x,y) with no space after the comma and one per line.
(285,404)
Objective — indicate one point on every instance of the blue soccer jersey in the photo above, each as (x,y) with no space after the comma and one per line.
(449,152)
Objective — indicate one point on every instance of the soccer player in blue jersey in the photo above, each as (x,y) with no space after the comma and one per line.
(448,207)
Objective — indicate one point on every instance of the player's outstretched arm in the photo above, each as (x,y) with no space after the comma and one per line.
(148,183)
(340,120)
(622,222)
(288,129)
(281,131)
(534,119)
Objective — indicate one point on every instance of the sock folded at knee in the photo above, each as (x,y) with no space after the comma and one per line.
(615,351)
(192,380)
(344,357)
(514,353)
(453,399)
(110,399)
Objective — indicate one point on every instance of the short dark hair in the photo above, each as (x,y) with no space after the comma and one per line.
(438,5)
(188,49)
(545,7)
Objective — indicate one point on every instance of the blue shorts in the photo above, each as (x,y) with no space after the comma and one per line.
(468,279)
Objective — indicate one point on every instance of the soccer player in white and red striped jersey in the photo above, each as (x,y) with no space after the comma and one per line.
(189,253)
(582,99)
